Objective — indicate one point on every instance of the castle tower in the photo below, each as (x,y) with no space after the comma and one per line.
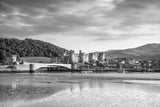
(101,57)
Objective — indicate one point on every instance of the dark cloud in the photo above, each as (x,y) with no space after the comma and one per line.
(44,15)
(35,17)
(133,12)
(34,6)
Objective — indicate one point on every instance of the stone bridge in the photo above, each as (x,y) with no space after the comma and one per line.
(43,65)
(36,66)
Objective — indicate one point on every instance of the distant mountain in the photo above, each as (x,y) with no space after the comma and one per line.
(28,48)
(149,51)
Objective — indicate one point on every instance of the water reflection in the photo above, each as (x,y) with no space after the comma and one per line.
(86,85)
(103,93)
(14,87)
(47,91)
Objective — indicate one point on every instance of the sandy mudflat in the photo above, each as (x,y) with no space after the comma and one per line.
(109,76)
(103,76)
(80,90)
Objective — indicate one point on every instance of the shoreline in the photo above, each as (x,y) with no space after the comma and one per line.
(99,76)
(117,76)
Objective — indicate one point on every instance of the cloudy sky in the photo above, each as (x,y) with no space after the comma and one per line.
(89,25)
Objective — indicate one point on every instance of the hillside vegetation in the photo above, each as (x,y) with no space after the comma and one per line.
(28,48)
(149,51)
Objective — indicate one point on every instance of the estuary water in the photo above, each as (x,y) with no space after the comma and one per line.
(50,90)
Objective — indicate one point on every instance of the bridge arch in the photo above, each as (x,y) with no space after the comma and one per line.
(37,66)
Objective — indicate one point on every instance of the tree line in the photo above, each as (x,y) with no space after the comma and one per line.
(27,48)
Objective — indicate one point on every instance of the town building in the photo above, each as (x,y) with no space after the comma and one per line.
(14,58)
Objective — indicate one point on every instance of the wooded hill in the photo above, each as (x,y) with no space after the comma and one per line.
(28,48)
(145,52)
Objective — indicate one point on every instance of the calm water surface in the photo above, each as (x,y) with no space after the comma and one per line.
(49,90)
